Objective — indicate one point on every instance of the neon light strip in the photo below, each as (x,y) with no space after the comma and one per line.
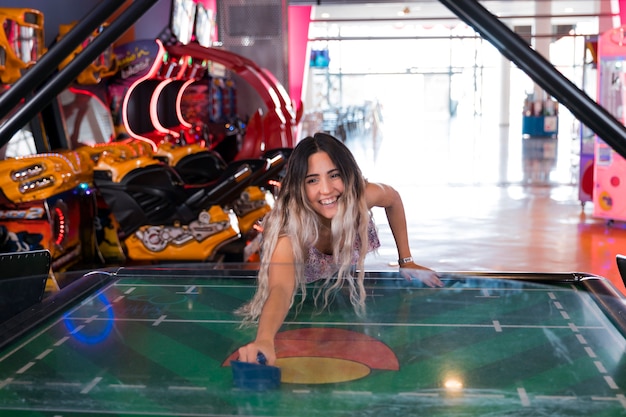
(151,74)
(154,107)
(179,99)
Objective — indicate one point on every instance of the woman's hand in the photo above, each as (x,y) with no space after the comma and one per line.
(411,270)
(250,352)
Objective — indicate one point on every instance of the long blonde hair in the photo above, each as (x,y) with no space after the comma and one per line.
(294,217)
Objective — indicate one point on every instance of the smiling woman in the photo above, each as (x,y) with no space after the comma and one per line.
(321,229)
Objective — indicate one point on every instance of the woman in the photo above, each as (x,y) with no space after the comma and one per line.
(314,232)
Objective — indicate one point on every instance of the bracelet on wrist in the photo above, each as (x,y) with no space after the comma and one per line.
(403,261)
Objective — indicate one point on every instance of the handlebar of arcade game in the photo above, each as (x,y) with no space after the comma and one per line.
(51,60)
(596,117)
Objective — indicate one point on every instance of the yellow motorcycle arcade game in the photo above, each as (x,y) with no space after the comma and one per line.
(46,202)
(160,217)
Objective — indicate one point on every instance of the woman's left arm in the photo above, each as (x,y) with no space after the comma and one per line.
(385,196)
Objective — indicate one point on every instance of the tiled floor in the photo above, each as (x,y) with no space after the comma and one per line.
(473,204)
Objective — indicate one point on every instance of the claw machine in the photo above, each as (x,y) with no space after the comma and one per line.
(609,184)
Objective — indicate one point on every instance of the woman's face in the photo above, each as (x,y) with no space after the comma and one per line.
(323,185)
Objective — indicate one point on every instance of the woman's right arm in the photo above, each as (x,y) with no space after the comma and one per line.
(282,283)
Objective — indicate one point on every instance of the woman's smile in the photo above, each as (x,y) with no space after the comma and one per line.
(328,201)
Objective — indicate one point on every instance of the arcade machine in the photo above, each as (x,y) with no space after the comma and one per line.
(609,175)
(46,198)
(181,94)
(272,126)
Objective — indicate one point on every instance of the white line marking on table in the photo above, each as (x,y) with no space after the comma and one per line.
(186,388)
(418,394)
(25,368)
(618,397)
(43,354)
(590,352)
(523,396)
(555,397)
(63,384)
(352,392)
(610,382)
(77,329)
(61,341)
(5,382)
(91,385)
(127,386)
(600,367)
(190,290)
(484,395)
(159,320)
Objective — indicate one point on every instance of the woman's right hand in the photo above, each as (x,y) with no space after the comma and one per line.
(411,270)
(250,352)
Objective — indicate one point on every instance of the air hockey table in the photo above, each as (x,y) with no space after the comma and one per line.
(158,340)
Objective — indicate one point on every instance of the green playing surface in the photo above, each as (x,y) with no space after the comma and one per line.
(158,345)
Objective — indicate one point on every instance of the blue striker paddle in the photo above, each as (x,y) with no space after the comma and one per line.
(255,376)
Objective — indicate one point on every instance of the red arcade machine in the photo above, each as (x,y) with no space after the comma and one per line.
(274,128)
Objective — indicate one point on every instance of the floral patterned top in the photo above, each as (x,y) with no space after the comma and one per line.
(321,265)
